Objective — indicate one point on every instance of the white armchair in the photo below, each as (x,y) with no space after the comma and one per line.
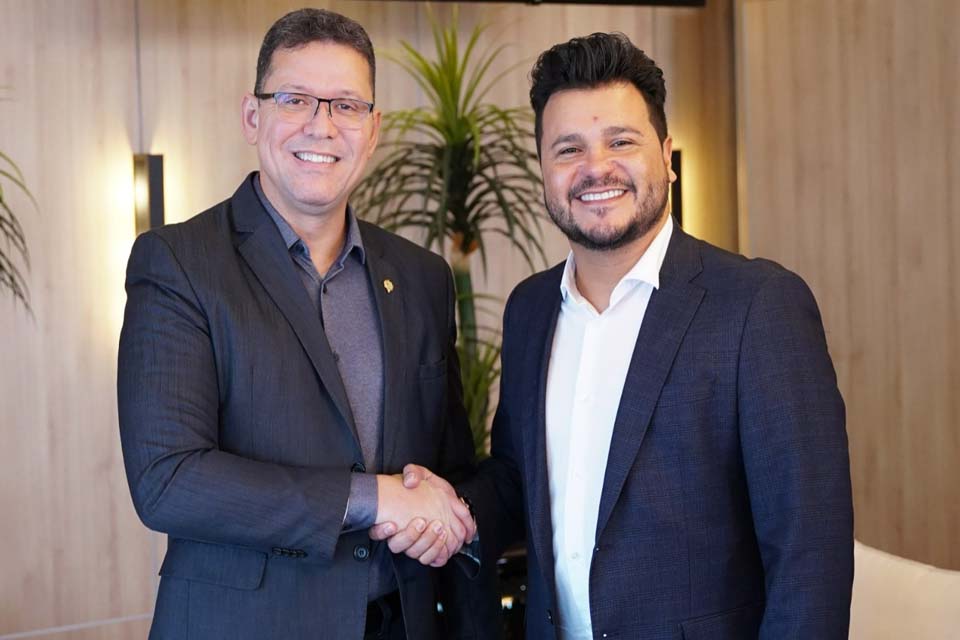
(899,599)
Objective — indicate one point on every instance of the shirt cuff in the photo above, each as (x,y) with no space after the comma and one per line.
(472,549)
(362,502)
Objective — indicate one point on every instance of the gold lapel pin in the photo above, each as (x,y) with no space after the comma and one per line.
(388,285)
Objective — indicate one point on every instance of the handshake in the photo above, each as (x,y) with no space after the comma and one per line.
(421,515)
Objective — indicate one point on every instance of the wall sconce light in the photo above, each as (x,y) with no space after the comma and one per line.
(148,191)
(676,193)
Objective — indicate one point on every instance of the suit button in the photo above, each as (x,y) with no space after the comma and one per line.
(358,467)
(549,616)
(361,552)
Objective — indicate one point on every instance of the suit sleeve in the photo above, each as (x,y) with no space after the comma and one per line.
(794,443)
(182,484)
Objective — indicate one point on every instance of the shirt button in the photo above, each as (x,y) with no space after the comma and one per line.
(323,288)
(358,467)
(336,357)
(574,556)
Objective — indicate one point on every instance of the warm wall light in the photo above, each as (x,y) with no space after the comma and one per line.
(676,192)
(148,191)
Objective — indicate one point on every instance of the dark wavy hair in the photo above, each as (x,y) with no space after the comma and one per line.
(594,61)
(303,26)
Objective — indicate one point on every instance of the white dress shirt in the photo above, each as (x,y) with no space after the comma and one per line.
(588,365)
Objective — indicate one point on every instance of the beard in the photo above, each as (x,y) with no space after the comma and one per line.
(649,206)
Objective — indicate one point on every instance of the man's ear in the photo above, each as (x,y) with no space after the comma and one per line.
(375,132)
(668,158)
(250,118)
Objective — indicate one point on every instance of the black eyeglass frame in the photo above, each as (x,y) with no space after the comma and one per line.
(328,101)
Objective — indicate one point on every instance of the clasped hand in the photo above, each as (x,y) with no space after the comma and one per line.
(420,514)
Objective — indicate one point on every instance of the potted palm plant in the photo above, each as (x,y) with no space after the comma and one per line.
(461,171)
(13,239)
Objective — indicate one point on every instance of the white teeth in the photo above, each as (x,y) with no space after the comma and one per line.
(315,157)
(605,195)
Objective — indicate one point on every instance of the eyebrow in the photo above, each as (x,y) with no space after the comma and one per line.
(570,137)
(615,131)
(608,132)
(299,88)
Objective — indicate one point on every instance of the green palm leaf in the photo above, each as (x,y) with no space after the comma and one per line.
(460,170)
(14,241)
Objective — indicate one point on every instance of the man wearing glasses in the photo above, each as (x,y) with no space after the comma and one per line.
(278,360)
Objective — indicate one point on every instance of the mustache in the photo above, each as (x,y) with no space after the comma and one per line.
(607,181)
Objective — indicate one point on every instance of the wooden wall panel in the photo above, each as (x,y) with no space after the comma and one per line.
(75,551)
(850,166)
(695,48)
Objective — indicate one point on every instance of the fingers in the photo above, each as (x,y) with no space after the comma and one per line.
(382,531)
(407,536)
(461,510)
(437,554)
(458,533)
(426,540)
(471,533)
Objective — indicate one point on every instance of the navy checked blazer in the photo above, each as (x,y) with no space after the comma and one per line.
(726,511)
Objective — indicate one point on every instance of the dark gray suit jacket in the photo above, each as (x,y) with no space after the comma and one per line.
(726,510)
(237,436)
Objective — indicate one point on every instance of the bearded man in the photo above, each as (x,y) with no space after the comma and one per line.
(669,433)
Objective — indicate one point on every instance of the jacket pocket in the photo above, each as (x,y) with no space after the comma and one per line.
(734,624)
(218,564)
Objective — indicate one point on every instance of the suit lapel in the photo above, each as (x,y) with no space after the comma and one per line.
(542,327)
(388,291)
(669,313)
(263,250)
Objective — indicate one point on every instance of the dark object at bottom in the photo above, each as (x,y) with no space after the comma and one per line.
(385,619)
(512,571)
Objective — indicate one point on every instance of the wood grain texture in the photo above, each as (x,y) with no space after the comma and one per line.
(126,630)
(75,550)
(850,166)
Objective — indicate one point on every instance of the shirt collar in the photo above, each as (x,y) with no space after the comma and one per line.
(290,238)
(646,269)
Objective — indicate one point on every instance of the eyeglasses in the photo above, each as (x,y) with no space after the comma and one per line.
(301,108)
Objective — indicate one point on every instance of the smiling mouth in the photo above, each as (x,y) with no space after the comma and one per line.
(315,158)
(602,196)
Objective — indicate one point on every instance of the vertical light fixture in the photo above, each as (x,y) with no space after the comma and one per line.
(148,191)
(676,192)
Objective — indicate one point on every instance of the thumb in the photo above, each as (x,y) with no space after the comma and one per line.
(413,475)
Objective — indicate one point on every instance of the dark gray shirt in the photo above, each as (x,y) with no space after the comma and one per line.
(347,310)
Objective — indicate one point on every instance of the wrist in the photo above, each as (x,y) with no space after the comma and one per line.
(386,491)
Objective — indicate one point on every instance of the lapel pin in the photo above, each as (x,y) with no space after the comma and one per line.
(388,285)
